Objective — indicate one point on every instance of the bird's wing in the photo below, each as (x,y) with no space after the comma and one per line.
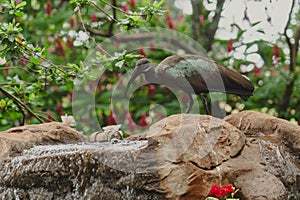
(204,75)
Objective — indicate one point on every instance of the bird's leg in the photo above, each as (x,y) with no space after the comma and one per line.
(205,104)
(191,103)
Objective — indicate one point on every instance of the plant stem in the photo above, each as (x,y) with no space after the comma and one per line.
(20,104)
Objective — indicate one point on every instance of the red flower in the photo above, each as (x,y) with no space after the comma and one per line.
(69,42)
(143,120)
(94,18)
(257,71)
(51,48)
(111,118)
(180,17)
(142,51)
(217,191)
(125,7)
(228,188)
(276,52)
(131,124)
(59,109)
(201,19)
(170,23)
(59,48)
(229,45)
(70,95)
(72,22)
(151,90)
(48,7)
(132,3)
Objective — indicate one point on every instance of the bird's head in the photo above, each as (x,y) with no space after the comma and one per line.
(142,66)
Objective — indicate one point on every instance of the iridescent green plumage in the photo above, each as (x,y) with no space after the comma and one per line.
(194,74)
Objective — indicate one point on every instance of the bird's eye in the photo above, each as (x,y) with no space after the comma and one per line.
(143,62)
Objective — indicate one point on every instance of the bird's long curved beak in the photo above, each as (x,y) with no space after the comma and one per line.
(133,76)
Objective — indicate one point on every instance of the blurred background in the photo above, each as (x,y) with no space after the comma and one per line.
(44,46)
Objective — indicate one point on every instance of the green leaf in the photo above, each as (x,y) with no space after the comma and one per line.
(31,97)
(19,13)
(240,34)
(254,24)
(135,17)
(261,31)
(158,5)
(22,4)
(120,63)
(2,103)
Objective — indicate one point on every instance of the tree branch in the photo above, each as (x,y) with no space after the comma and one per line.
(288,40)
(297,38)
(196,26)
(20,104)
(293,55)
(102,10)
(214,25)
(205,38)
(112,22)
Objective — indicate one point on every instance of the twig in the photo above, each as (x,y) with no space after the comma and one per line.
(85,30)
(289,87)
(102,10)
(14,84)
(216,19)
(297,38)
(97,32)
(288,40)
(20,104)
(119,9)
(111,25)
(45,59)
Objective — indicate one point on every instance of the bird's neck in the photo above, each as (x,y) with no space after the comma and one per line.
(150,76)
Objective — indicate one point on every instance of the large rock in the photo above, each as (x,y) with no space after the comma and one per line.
(15,140)
(278,142)
(179,157)
(253,123)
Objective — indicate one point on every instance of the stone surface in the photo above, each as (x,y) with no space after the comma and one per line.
(180,136)
(179,157)
(108,134)
(15,140)
(253,123)
(278,142)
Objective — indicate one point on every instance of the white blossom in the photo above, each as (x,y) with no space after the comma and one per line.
(68,120)
(2,61)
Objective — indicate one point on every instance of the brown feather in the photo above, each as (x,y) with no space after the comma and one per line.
(217,79)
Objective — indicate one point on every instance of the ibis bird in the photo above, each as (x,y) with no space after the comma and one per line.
(193,74)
